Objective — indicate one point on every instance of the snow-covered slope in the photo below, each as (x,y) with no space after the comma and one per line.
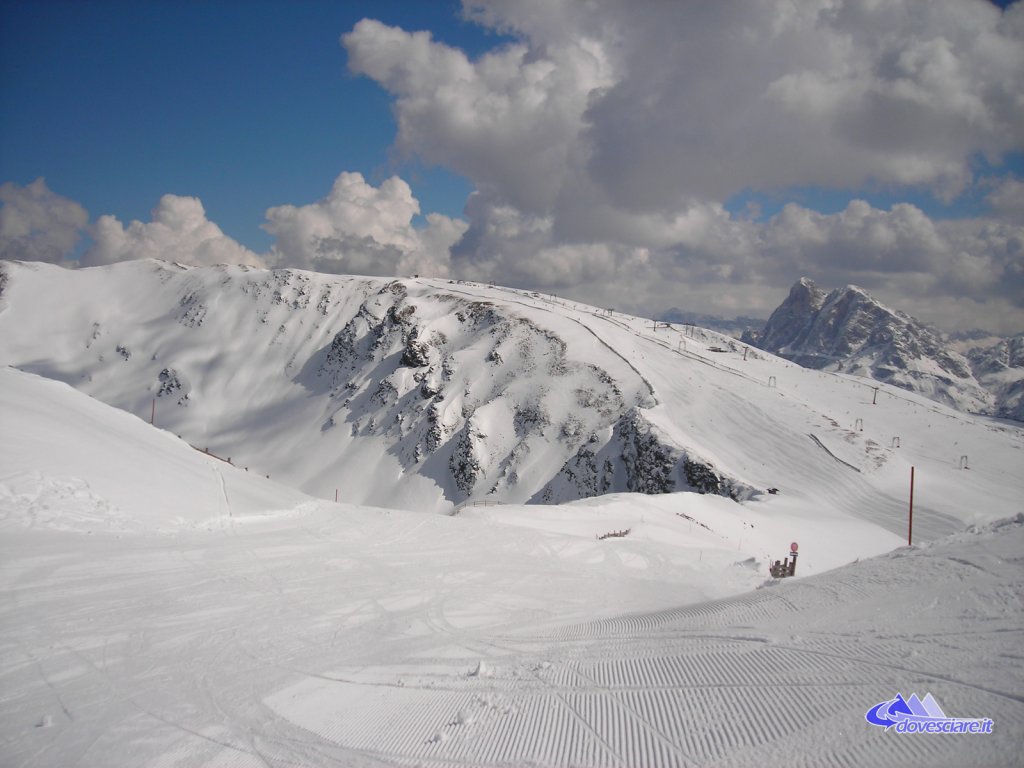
(778,676)
(160,607)
(425,394)
(338,635)
(70,462)
(849,330)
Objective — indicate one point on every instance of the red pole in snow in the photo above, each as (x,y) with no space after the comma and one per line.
(152,413)
(335,495)
(910,523)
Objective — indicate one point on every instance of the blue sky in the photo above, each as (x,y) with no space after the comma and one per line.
(647,156)
(245,104)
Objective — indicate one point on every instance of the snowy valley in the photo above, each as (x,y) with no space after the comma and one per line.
(188,592)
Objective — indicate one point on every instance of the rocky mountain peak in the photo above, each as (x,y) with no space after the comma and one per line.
(849,330)
(807,289)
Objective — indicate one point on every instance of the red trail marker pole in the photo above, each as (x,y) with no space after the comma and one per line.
(910,520)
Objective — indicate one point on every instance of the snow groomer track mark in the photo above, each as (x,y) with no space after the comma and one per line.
(735,681)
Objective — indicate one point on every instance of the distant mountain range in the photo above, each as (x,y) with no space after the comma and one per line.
(847,330)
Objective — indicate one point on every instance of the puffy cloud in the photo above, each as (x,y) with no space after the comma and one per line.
(659,103)
(178,232)
(604,140)
(356,229)
(858,239)
(923,266)
(713,98)
(950,273)
(954,273)
(362,229)
(507,121)
(38,225)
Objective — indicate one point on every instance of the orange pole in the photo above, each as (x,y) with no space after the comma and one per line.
(910,522)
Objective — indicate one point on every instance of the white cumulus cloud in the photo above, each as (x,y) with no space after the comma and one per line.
(362,229)
(1007,199)
(37,224)
(605,139)
(659,103)
(179,231)
(507,120)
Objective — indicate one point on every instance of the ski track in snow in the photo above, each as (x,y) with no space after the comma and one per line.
(307,644)
(823,447)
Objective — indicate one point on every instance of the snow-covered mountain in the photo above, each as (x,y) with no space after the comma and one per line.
(848,330)
(426,394)
(999,367)
(163,608)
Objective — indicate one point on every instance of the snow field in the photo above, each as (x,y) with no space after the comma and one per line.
(361,636)
(67,461)
(160,607)
(754,419)
(340,634)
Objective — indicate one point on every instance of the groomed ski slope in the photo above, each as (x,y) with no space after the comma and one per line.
(251,626)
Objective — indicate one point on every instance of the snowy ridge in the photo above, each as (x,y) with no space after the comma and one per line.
(450,388)
(427,393)
(999,367)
